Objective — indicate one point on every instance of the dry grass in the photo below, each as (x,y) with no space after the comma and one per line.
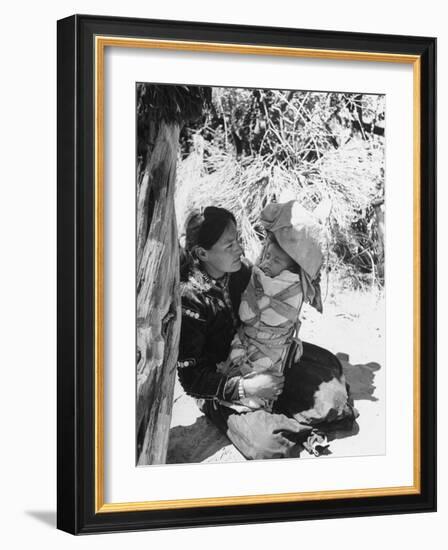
(340,185)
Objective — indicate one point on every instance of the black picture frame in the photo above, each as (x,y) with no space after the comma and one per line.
(76,475)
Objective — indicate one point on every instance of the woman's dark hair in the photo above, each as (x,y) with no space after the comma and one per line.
(204,230)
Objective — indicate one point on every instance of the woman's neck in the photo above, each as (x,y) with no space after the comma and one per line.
(212,272)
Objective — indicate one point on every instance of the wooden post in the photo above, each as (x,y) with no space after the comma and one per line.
(158,299)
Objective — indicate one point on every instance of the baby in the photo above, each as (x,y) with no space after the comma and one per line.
(280,283)
(269,314)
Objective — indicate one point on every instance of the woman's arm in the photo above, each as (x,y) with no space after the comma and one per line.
(197,368)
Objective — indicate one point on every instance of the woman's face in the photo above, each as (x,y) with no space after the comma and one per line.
(224,256)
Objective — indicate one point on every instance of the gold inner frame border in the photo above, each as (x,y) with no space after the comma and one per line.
(101,42)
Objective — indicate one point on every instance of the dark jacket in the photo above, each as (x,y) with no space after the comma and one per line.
(209,321)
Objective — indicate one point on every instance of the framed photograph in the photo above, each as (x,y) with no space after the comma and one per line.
(246,274)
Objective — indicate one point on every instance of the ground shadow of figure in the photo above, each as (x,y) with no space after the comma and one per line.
(360,378)
(195,443)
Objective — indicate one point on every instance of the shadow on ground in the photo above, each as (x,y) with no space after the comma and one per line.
(195,443)
(203,442)
(48,517)
(360,378)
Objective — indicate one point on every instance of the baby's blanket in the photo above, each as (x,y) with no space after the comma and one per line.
(269,314)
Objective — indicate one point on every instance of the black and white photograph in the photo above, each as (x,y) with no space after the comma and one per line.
(220,230)
(260,274)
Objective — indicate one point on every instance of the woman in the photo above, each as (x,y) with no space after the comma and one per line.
(213,278)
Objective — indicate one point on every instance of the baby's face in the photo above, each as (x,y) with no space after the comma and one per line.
(275,261)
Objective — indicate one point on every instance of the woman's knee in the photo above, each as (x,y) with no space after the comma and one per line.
(322,357)
(269,446)
(259,444)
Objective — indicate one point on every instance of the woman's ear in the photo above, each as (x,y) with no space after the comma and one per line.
(201,253)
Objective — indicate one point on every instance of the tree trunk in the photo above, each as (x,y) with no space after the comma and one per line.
(158,299)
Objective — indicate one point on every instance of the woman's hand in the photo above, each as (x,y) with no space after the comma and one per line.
(266,385)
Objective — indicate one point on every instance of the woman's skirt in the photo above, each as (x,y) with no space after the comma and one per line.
(315,390)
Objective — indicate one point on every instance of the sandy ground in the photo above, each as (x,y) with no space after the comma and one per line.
(353,327)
